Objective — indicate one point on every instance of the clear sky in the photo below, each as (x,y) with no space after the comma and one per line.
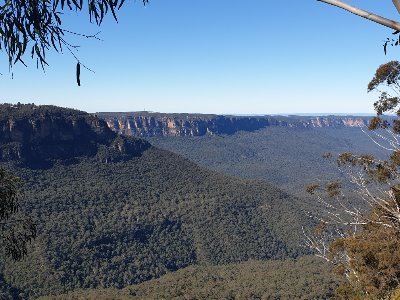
(226,56)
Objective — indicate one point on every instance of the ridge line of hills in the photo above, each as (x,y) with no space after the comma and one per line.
(149,124)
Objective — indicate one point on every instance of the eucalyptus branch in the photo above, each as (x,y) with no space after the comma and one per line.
(364,14)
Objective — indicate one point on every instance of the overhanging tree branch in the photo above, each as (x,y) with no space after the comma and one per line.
(365,14)
(397,4)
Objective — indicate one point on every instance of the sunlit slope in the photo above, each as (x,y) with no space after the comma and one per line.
(287,157)
(306,278)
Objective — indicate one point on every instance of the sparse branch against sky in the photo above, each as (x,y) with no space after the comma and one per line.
(215,57)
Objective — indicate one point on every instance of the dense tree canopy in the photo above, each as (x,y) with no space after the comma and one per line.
(15,230)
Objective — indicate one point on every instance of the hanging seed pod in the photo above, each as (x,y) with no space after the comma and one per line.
(78,73)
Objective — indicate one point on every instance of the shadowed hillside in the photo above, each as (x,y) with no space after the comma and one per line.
(35,135)
(115,222)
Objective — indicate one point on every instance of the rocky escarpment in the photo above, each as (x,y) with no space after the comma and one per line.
(31,133)
(145,124)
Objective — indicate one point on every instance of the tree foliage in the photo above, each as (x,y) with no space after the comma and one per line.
(15,230)
(375,259)
(35,26)
(119,223)
(363,239)
(387,82)
(303,278)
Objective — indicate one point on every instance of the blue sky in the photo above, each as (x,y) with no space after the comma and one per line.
(236,57)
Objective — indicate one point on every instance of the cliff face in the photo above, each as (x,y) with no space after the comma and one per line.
(144,124)
(38,133)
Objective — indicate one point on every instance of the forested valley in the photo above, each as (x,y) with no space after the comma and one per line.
(115,211)
(256,169)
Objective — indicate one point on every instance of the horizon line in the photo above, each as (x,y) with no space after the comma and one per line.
(246,114)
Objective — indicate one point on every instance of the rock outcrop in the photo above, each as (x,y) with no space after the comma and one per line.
(31,133)
(145,124)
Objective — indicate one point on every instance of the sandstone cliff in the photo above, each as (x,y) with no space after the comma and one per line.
(33,133)
(145,124)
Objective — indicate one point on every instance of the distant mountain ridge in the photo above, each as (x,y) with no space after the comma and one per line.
(148,124)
